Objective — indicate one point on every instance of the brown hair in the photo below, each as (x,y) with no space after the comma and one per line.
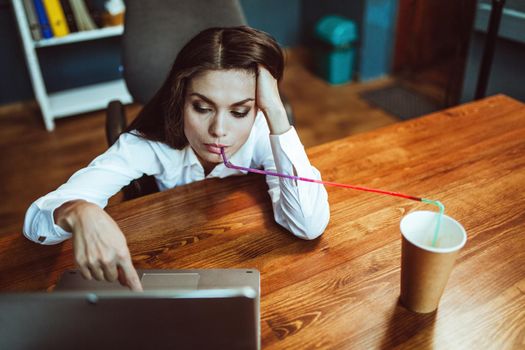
(242,47)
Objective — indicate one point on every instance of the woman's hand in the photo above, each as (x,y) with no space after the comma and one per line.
(269,101)
(100,248)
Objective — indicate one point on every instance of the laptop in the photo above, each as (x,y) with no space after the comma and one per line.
(179,309)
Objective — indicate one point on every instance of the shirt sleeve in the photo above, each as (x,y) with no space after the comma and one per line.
(300,207)
(128,159)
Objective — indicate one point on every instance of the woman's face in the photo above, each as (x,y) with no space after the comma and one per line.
(219,111)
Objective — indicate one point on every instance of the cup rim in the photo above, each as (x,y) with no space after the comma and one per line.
(435,249)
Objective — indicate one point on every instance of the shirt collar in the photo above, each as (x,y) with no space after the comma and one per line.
(189,157)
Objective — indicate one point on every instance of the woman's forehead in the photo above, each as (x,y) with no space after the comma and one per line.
(224,86)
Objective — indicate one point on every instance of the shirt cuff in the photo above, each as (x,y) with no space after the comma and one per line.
(40,224)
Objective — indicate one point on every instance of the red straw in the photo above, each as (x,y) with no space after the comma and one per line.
(359,188)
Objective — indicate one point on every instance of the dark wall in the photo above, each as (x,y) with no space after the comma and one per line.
(291,22)
(63,66)
(281,19)
(78,64)
(14,78)
(506,75)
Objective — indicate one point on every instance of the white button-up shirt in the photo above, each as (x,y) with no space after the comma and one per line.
(301,207)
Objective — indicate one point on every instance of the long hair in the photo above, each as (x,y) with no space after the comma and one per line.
(161,119)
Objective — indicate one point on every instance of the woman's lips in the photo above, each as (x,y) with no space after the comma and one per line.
(214,148)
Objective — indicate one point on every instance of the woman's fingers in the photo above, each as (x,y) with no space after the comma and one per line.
(81,257)
(269,101)
(130,276)
(91,266)
(102,262)
(94,262)
(110,271)
(121,276)
(96,271)
(99,256)
(100,247)
(84,271)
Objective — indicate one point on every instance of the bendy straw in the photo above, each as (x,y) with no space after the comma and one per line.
(441,207)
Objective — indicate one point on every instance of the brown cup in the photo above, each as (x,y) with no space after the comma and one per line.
(425,268)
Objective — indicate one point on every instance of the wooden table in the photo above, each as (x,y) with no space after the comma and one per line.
(341,291)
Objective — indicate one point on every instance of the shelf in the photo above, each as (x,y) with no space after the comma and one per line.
(81,36)
(72,101)
(87,98)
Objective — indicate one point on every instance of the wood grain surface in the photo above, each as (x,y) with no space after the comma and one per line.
(341,290)
(34,162)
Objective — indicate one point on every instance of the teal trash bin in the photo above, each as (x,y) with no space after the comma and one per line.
(335,54)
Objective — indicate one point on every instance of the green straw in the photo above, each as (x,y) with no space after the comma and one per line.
(440,216)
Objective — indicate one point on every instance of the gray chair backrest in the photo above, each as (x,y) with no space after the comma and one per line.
(156,30)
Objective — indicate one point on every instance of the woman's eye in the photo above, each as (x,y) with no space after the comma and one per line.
(239,114)
(200,109)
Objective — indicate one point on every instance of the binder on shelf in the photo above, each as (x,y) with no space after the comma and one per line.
(96,9)
(42,19)
(32,20)
(70,18)
(82,16)
(56,17)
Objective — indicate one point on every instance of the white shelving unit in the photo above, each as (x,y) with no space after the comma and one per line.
(72,101)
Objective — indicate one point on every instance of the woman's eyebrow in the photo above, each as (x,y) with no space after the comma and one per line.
(211,102)
(243,101)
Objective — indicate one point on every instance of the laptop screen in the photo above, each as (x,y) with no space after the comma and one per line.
(193,319)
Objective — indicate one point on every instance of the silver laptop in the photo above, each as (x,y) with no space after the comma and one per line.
(179,309)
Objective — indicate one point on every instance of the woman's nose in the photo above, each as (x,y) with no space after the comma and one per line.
(218,126)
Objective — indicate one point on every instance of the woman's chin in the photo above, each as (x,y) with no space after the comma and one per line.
(213,157)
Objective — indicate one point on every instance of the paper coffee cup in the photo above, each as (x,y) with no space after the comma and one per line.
(425,268)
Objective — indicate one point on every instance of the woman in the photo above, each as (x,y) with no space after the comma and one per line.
(220,93)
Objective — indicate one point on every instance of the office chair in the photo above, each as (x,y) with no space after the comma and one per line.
(154,33)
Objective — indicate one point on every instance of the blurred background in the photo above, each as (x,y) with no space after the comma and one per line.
(351,66)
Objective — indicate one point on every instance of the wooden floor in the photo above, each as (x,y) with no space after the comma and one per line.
(34,161)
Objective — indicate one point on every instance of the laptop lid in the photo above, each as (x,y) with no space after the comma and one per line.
(162,319)
(187,279)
